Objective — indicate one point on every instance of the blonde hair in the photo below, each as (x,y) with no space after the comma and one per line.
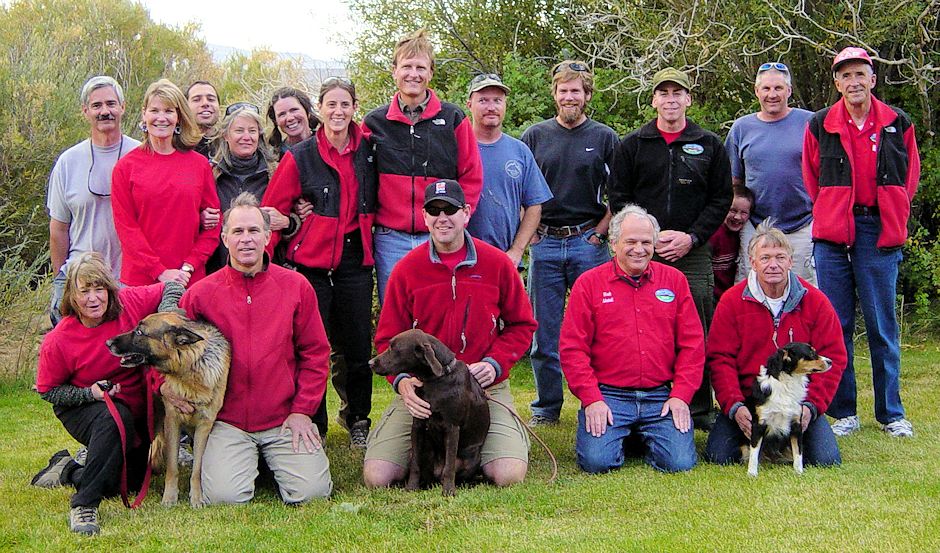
(189,133)
(563,73)
(90,269)
(412,46)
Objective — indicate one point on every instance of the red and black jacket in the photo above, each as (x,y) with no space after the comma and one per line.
(440,145)
(829,176)
(305,172)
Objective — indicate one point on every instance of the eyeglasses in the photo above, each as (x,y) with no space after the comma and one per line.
(485,77)
(435,210)
(242,105)
(92,167)
(773,65)
(574,66)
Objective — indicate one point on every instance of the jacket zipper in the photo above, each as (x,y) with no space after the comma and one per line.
(339,218)
(413,178)
(669,184)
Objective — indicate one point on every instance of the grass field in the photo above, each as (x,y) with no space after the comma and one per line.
(884,498)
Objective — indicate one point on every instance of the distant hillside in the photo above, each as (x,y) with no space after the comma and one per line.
(316,69)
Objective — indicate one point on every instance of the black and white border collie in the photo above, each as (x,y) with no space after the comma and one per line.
(776,401)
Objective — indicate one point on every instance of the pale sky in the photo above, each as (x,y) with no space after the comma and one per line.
(298,26)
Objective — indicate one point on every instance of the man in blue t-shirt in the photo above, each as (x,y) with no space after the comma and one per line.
(765,150)
(512,182)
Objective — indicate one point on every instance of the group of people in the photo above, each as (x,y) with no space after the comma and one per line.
(442,207)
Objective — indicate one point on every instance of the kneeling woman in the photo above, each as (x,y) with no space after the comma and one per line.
(76,370)
(333,245)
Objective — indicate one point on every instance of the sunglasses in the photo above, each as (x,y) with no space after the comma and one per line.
(435,210)
(574,66)
(331,80)
(773,65)
(485,77)
(242,105)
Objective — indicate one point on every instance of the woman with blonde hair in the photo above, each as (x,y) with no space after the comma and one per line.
(76,370)
(159,190)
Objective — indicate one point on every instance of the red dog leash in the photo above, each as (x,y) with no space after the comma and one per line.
(150,381)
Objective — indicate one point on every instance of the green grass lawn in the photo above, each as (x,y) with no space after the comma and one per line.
(884,498)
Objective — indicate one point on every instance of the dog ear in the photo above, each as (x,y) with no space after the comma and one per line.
(185,337)
(775,362)
(430,357)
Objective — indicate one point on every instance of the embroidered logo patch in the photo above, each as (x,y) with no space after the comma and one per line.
(439,122)
(890,129)
(607,297)
(440,187)
(693,149)
(665,295)
(513,169)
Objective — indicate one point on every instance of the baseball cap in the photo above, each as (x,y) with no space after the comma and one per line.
(447,190)
(671,75)
(852,53)
(484,80)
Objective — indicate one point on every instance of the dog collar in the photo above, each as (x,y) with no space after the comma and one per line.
(450,366)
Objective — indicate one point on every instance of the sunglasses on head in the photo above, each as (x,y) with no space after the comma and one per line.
(331,80)
(485,77)
(242,105)
(447,209)
(574,66)
(773,65)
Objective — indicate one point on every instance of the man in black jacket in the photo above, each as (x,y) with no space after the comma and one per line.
(680,173)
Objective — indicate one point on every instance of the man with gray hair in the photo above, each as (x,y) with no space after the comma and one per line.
(633,349)
(765,149)
(79,195)
(771,309)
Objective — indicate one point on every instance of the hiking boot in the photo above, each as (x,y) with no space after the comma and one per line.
(84,520)
(846,425)
(51,476)
(540,420)
(185,458)
(901,428)
(81,456)
(359,434)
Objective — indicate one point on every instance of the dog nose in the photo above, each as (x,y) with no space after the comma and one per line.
(108,342)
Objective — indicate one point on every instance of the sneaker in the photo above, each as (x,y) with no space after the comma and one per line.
(846,425)
(901,428)
(51,476)
(359,434)
(84,520)
(539,420)
(185,458)
(81,456)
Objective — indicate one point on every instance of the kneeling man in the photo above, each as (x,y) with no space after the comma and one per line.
(468,295)
(768,310)
(280,357)
(632,350)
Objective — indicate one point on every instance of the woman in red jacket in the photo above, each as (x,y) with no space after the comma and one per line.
(332,247)
(158,192)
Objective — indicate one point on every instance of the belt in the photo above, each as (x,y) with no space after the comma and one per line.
(565,232)
(866,210)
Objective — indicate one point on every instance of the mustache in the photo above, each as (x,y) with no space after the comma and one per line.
(105,117)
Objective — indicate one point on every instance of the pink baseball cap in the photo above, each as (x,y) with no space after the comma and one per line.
(852,53)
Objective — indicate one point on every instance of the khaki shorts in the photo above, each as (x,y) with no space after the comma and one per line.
(390,440)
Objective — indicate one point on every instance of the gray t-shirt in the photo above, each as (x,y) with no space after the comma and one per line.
(80,195)
(767,157)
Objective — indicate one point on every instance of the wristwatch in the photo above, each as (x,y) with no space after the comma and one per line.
(601,237)
(187,268)
(695,242)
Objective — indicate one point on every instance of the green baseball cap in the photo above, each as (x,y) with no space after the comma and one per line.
(671,75)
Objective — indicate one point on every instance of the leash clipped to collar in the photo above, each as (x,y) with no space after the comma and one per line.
(112,409)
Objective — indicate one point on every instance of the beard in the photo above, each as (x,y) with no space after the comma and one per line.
(570,114)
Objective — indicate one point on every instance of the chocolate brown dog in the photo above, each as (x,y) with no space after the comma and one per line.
(445,447)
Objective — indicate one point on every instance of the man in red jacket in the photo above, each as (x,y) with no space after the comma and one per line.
(770,309)
(279,368)
(861,169)
(469,295)
(418,140)
(632,350)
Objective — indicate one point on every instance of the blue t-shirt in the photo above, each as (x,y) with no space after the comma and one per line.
(511,181)
(767,157)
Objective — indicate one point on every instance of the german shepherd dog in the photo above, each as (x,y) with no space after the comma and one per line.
(776,400)
(194,358)
(445,447)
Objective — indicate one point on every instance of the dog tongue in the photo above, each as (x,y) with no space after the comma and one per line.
(132,360)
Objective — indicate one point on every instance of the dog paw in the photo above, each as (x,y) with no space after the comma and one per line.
(169,501)
(449,491)
(752,473)
(197,502)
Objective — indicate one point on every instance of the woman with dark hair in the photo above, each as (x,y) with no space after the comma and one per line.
(332,247)
(291,113)
(242,163)
(76,370)
(158,192)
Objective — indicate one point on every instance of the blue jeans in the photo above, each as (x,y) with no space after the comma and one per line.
(667,449)
(58,290)
(389,246)
(725,439)
(872,274)
(554,265)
